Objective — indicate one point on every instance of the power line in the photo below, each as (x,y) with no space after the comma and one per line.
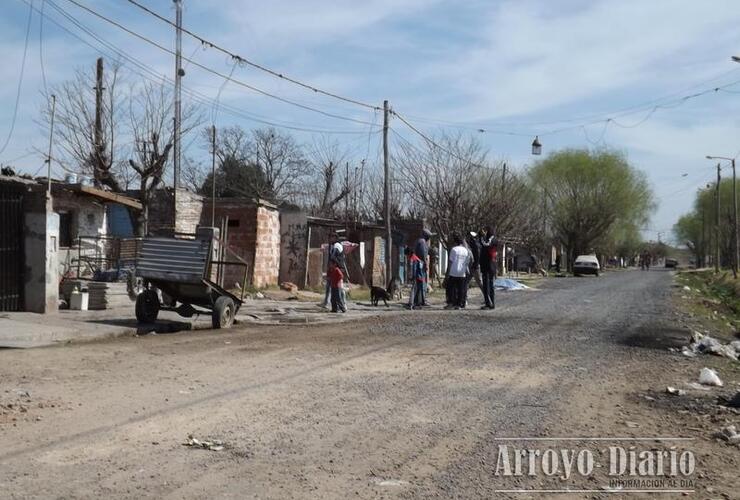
(20,81)
(211,70)
(151,75)
(41,46)
(253,64)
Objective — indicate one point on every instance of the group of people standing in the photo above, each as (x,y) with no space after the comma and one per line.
(474,257)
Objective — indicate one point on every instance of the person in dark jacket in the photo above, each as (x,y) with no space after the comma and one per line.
(488,267)
(473,243)
(421,250)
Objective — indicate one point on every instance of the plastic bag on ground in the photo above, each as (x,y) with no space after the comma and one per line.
(707,376)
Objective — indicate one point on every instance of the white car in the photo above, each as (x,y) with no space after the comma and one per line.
(586,264)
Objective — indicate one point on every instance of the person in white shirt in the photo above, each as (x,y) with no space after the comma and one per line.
(457,272)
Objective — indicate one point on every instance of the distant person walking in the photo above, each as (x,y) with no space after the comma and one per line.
(458,269)
(488,267)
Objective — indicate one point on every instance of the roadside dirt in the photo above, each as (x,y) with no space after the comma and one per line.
(411,405)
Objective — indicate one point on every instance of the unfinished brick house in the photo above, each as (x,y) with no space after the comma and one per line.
(252,231)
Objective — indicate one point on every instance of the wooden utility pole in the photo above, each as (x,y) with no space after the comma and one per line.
(98,128)
(213,176)
(503,178)
(179,72)
(387,198)
(51,139)
(736,256)
(716,224)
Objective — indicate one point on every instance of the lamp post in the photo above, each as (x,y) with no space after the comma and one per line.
(536,146)
(736,251)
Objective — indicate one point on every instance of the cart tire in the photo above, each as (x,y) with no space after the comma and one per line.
(147,306)
(223,314)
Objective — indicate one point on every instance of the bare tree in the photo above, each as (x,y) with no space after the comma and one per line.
(328,184)
(78,149)
(454,184)
(281,160)
(150,122)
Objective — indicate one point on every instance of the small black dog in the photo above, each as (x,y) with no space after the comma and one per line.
(385,294)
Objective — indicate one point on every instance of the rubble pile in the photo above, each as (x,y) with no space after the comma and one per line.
(704,344)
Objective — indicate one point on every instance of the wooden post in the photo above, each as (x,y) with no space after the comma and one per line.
(213,176)
(716,224)
(387,198)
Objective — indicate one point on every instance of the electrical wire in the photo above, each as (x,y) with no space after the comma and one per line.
(253,64)
(41,47)
(20,81)
(151,75)
(211,70)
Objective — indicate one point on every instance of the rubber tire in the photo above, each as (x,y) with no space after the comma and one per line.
(147,306)
(223,313)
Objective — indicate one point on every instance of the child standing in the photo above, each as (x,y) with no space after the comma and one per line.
(336,279)
(417,298)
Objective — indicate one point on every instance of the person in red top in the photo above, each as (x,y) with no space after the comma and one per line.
(336,279)
(418,286)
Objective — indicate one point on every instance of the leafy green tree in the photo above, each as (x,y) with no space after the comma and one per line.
(590,194)
(698,229)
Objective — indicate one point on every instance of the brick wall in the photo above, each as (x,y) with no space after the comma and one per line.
(267,251)
(253,234)
(189,212)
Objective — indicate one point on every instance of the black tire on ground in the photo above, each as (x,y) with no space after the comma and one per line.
(147,306)
(223,313)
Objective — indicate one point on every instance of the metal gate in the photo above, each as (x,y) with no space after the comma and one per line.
(12,259)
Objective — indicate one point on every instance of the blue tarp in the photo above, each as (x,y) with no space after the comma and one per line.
(509,284)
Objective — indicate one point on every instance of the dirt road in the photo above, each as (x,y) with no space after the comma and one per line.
(411,406)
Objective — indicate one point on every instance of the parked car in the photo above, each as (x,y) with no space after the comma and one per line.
(586,264)
(671,263)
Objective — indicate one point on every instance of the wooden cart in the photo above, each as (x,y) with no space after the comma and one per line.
(185,271)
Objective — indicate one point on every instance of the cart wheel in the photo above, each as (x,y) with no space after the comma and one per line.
(223,312)
(167,300)
(147,306)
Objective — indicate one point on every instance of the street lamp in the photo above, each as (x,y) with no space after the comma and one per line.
(734,208)
(536,146)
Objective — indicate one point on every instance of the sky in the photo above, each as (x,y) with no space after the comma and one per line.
(577,73)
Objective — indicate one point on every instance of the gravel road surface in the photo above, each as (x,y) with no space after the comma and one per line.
(411,405)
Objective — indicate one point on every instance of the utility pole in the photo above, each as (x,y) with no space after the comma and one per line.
(387,198)
(213,176)
(98,128)
(734,221)
(179,72)
(51,138)
(716,224)
(346,190)
(703,258)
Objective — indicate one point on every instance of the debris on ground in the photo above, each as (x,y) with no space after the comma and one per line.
(212,445)
(728,434)
(733,402)
(698,387)
(289,287)
(707,376)
(509,284)
(704,344)
(674,391)
(259,295)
